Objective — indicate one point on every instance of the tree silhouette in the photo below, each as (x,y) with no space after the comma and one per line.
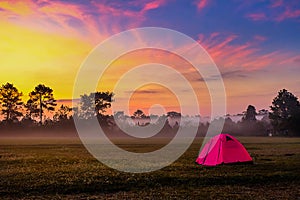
(139,114)
(173,114)
(119,115)
(285,110)
(250,114)
(32,110)
(263,112)
(10,102)
(86,107)
(94,104)
(62,114)
(42,96)
(103,101)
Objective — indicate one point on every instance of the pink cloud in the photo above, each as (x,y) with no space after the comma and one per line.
(287,14)
(259,38)
(201,4)
(228,54)
(50,16)
(92,23)
(277,3)
(256,16)
(277,10)
(153,5)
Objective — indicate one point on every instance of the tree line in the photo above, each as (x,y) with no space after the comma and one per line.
(283,118)
(12,106)
(41,100)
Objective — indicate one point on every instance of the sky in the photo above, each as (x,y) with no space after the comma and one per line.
(255,45)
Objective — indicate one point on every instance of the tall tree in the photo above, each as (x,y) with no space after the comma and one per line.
(10,102)
(94,104)
(42,96)
(285,111)
(250,114)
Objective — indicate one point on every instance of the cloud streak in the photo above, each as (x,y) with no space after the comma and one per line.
(276,11)
(256,16)
(228,53)
(201,4)
(92,21)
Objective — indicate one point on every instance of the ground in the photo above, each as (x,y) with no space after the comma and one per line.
(63,169)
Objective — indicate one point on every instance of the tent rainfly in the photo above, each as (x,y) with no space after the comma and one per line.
(223,149)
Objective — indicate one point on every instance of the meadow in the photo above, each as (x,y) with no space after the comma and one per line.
(61,168)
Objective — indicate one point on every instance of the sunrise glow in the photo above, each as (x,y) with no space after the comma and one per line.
(46,42)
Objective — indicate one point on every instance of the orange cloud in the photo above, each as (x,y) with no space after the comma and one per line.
(17,7)
(146,96)
(46,16)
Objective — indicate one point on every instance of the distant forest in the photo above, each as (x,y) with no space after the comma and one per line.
(40,115)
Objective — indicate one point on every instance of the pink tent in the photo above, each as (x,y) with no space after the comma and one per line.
(223,149)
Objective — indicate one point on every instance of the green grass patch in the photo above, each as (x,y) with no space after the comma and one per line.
(39,168)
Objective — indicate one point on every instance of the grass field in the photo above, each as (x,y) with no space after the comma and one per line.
(63,169)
